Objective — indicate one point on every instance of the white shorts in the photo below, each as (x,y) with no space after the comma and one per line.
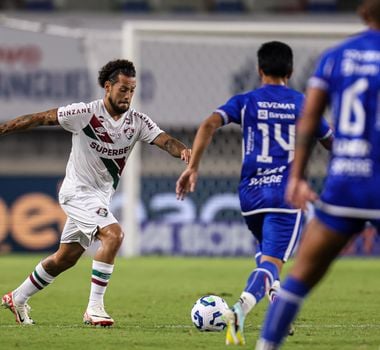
(85,214)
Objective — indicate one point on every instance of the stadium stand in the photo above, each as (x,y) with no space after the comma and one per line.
(322,5)
(183,6)
(140,6)
(39,5)
(228,6)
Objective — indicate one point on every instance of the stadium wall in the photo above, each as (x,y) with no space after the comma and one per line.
(208,224)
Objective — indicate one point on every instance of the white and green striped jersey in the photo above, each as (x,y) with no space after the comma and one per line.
(100,147)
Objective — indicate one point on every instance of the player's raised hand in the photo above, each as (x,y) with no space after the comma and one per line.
(186,183)
(298,193)
(186,155)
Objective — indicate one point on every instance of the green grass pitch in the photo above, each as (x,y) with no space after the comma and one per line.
(150,299)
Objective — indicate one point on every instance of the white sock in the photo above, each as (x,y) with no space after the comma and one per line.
(248,301)
(37,280)
(101,273)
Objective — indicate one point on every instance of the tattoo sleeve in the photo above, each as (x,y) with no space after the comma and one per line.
(174,147)
(29,121)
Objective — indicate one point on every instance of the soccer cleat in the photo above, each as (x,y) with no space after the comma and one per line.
(291,330)
(21,312)
(97,316)
(235,325)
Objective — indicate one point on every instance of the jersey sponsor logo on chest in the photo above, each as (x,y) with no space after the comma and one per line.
(276,105)
(108,151)
(101,131)
(128,132)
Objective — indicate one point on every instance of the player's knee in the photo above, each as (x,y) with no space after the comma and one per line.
(117,238)
(113,238)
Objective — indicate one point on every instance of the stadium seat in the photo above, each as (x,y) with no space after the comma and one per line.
(39,5)
(229,6)
(182,6)
(135,6)
(322,5)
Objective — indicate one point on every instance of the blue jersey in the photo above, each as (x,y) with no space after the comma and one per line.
(268,117)
(350,74)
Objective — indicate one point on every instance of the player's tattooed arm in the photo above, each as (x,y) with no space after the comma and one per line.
(173,146)
(29,121)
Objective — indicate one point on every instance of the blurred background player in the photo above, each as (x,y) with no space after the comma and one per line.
(104,133)
(347,79)
(267,117)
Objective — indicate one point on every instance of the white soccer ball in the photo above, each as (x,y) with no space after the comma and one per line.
(207,312)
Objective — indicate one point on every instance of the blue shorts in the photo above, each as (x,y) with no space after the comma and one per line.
(345,225)
(277,233)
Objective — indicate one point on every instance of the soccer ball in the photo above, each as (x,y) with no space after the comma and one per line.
(207,312)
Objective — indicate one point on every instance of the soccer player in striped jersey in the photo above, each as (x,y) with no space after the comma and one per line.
(268,117)
(104,133)
(347,78)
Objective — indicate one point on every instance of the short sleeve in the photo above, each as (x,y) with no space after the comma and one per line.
(322,75)
(75,117)
(231,111)
(324,131)
(148,129)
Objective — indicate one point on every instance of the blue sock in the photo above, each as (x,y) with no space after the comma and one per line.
(283,311)
(261,278)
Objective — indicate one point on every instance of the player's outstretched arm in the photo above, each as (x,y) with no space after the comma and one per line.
(186,183)
(29,121)
(188,179)
(173,146)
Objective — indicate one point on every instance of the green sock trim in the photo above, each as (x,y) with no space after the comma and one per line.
(102,275)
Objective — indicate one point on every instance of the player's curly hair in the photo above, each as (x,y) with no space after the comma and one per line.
(112,69)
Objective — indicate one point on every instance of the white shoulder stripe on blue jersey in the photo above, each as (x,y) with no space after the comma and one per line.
(224,116)
(315,82)
(348,211)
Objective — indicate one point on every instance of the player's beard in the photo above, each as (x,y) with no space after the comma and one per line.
(115,107)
